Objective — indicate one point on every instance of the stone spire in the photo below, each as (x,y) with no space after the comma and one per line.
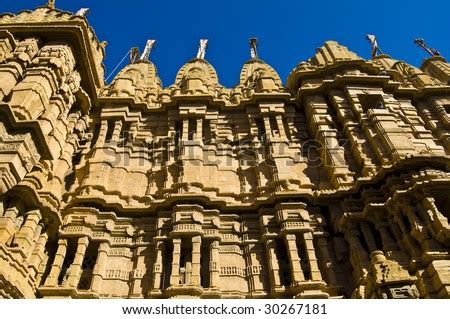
(253,45)
(373,42)
(202,48)
(82,12)
(148,48)
(51,4)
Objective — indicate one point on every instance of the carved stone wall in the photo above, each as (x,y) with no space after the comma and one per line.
(335,185)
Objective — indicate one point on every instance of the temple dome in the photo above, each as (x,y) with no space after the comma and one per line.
(257,77)
(254,69)
(197,67)
(197,77)
(139,80)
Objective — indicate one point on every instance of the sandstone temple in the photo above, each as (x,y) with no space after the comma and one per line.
(335,184)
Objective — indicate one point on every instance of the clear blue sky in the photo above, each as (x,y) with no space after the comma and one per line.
(288,31)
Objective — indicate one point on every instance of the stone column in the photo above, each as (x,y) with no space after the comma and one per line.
(267,128)
(279,119)
(196,246)
(24,238)
(214,273)
(312,259)
(409,241)
(158,265)
(359,254)
(418,230)
(327,261)
(75,268)
(8,220)
(52,279)
(388,242)
(116,132)
(363,154)
(321,127)
(38,253)
(294,259)
(175,274)
(199,133)
(185,133)
(100,266)
(368,236)
(273,266)
(39,259)
(102,133)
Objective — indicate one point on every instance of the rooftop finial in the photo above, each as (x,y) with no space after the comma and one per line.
(51,4)
(202,48)
(134,55)
(421,43)
(148,48)
(253,45)
(82,12)
(373,42)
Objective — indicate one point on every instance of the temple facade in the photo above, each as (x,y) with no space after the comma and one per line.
(335,184)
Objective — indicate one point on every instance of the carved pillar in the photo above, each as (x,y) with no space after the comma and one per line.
(214,272)
(360,146)
(418,230)
(185,134)
(359,256)
(38,254)
(199,132)
(368,236)
(267,127)
(274,268)
(175,274)
(8,220)
(388,242)
(102,134)
(409,241)
(158,265)
(52,279)
(280,125)
(24,238)
(332,153)
(294,259)
(100,266)
(312,259)
(196,251)
(256,276)
(75,268)
(327,261)
(116,132)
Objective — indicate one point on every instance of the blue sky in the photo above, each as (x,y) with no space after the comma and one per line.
(288,31)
